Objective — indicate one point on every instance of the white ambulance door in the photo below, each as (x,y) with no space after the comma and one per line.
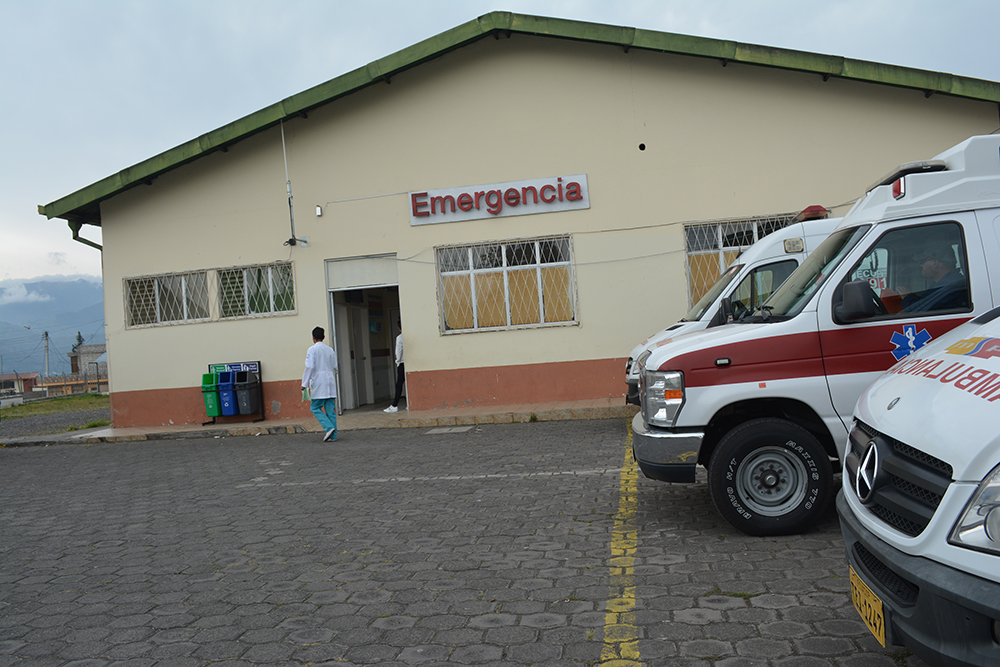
(909,299)
(989,222)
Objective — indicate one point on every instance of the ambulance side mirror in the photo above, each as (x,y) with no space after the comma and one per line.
(726,310)
(859,302)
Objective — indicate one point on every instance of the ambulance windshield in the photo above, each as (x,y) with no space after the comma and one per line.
(806,280)
(712,294)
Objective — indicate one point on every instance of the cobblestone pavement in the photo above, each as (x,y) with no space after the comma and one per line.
(498,544)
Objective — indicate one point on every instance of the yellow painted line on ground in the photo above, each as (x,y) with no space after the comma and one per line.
(621,636)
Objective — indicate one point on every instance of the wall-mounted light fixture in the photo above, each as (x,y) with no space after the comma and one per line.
(319,211)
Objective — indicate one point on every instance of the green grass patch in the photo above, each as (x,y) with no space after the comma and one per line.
(719,591)
(97,424)
(51,406)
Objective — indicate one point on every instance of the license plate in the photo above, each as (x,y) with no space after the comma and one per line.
(869,606)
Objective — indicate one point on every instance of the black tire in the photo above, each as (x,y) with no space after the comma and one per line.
(770,477)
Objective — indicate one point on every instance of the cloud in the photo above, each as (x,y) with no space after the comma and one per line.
(57,258)
(19,294)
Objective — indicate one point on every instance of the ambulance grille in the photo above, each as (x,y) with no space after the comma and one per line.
(910,482)
(892,583)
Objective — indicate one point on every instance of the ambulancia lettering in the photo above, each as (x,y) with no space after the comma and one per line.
(980,382)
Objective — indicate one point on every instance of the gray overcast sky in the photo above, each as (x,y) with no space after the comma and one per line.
(90,87)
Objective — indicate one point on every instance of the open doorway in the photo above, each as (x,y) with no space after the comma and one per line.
(364,326)
(364,306)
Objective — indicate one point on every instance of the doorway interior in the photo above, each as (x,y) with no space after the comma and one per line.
(364,337)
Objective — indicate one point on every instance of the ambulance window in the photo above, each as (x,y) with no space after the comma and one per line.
(909,272)
(758,285)
(806,280)
(712,294)
(874,268)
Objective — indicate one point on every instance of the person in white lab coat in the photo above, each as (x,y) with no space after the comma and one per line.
(321,381)
(400,371)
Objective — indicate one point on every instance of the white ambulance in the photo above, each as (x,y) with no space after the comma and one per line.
(920,501)
(745,285)
(765,404)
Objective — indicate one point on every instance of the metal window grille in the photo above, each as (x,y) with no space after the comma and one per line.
(710,247)
(506,284)
(175,297)
(262,289)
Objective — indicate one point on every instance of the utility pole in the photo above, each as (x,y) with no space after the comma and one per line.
(45,335)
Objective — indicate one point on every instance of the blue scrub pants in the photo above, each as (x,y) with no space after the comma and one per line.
(325,410)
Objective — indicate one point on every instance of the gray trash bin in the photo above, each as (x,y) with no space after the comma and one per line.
(247,392)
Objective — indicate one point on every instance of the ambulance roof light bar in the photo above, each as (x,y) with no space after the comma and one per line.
(814,212)
(919,167)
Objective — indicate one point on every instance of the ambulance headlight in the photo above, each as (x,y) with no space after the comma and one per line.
(662,396)
(979,527)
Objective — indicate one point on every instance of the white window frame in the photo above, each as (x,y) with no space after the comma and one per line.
(213,296)
(246,311)
(472,272)
(721,239)
(157,303)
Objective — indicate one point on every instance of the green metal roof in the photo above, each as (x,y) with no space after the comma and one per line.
(83,206)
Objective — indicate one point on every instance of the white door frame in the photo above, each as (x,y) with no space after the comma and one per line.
(340,321)
(355,273)
(361,363)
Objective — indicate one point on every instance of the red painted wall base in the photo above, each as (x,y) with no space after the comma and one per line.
(186,405)
(513,385)
(426,390)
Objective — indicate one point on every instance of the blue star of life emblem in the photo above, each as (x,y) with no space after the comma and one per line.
(908,341)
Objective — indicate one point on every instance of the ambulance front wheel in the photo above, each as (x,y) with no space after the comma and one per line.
(770,477)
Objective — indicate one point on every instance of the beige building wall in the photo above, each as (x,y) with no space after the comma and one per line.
(719,142)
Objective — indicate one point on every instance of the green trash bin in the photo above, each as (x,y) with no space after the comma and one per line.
(210,392)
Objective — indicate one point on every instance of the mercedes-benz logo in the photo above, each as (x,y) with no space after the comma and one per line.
(864,479)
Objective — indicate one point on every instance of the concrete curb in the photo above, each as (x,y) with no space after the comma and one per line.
(350,423)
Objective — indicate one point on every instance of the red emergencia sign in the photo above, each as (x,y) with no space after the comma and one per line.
(499,200)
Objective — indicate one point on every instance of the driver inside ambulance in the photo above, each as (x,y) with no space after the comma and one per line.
(949,289)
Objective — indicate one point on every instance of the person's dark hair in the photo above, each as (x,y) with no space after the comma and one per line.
(318,333)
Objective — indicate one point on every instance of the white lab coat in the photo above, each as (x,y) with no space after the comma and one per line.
(321,362)
(399,349)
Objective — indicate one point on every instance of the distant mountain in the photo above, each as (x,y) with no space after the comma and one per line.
(61,307)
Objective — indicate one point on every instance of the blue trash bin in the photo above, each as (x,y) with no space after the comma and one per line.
(227,394)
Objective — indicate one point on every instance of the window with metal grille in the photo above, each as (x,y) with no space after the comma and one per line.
(263,289)
(712,246)
(504,284)
(175,297)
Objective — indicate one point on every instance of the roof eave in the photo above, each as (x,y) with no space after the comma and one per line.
(83,206)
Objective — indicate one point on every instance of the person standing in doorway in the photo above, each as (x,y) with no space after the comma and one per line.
(319,383)
(400,372)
